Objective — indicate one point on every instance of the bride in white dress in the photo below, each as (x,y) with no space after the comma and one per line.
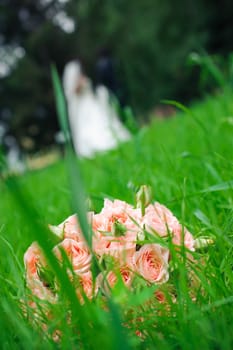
(94,125)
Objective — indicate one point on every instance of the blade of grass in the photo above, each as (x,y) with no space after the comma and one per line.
(187,111)
(60,104)
(222,186)
(73,167)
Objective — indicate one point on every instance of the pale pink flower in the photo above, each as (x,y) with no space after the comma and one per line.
(119,211)
(109,280)
(182,235)
(77,252)
(106,239)
(34,260)
(127,275)
(159,219)
(115,208)
(121,248)
(151,262)
(86,286)
(70,228)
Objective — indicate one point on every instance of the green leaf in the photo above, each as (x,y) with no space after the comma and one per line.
(61,104)
(118,229)
(222,186)
(48,277)
(73,167)
(202,217)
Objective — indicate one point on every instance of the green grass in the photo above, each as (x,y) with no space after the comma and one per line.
(188,162)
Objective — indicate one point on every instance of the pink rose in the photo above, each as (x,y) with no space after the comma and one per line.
(115,208)
(70,228)
(115,230)
(32,258)
(126,275)
(86,286)
(180,235)
(109,280)
(77,252)
(151,262)
(33,261)
(116,211)
(160,219)
(111,212)
(121,248)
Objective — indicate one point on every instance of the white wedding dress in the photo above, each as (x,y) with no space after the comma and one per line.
(95,127)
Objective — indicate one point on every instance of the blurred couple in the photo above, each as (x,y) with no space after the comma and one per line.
(94,124)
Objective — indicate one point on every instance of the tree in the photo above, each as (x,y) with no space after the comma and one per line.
(26,93)
(150,41)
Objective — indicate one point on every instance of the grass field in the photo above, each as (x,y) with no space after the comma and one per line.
(188,162)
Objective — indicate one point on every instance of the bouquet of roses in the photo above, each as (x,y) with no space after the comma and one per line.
(128,243)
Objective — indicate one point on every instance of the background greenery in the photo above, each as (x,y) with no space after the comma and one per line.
(150,40)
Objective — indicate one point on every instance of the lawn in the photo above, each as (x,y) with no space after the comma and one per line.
(187,160)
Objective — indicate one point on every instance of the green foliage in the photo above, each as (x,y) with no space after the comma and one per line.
(216,70)
(150,42)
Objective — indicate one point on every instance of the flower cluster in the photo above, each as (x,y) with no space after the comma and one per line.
(134,240)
